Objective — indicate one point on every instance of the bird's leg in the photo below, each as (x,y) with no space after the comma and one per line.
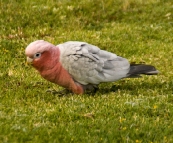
(90,88)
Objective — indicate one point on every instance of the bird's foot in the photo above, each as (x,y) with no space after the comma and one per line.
(60,93)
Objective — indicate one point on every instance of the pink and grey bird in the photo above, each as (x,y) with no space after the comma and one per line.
(79,66)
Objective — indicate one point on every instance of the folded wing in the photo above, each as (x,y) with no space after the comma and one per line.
(87,64)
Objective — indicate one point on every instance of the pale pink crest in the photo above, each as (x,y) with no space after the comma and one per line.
(38,46)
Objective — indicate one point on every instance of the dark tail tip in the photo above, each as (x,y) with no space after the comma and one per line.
(137,69)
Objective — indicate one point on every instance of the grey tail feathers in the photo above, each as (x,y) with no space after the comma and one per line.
(137,69)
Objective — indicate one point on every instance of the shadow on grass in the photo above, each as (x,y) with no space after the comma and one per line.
(132,87)
(135,87)
(107,88)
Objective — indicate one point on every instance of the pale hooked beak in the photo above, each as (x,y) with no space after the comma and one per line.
(29,60)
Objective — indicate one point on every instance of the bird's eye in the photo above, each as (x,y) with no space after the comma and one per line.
(37,55)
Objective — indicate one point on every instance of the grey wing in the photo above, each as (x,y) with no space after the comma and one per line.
(87,64)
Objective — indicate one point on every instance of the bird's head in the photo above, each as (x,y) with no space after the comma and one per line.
(41,54)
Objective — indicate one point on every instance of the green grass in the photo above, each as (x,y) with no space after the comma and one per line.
(130,110)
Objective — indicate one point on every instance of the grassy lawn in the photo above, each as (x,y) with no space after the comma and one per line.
(130,110)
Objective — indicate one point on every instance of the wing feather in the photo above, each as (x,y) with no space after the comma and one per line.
(87,64)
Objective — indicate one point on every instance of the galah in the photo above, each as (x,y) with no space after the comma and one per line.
(79,66)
